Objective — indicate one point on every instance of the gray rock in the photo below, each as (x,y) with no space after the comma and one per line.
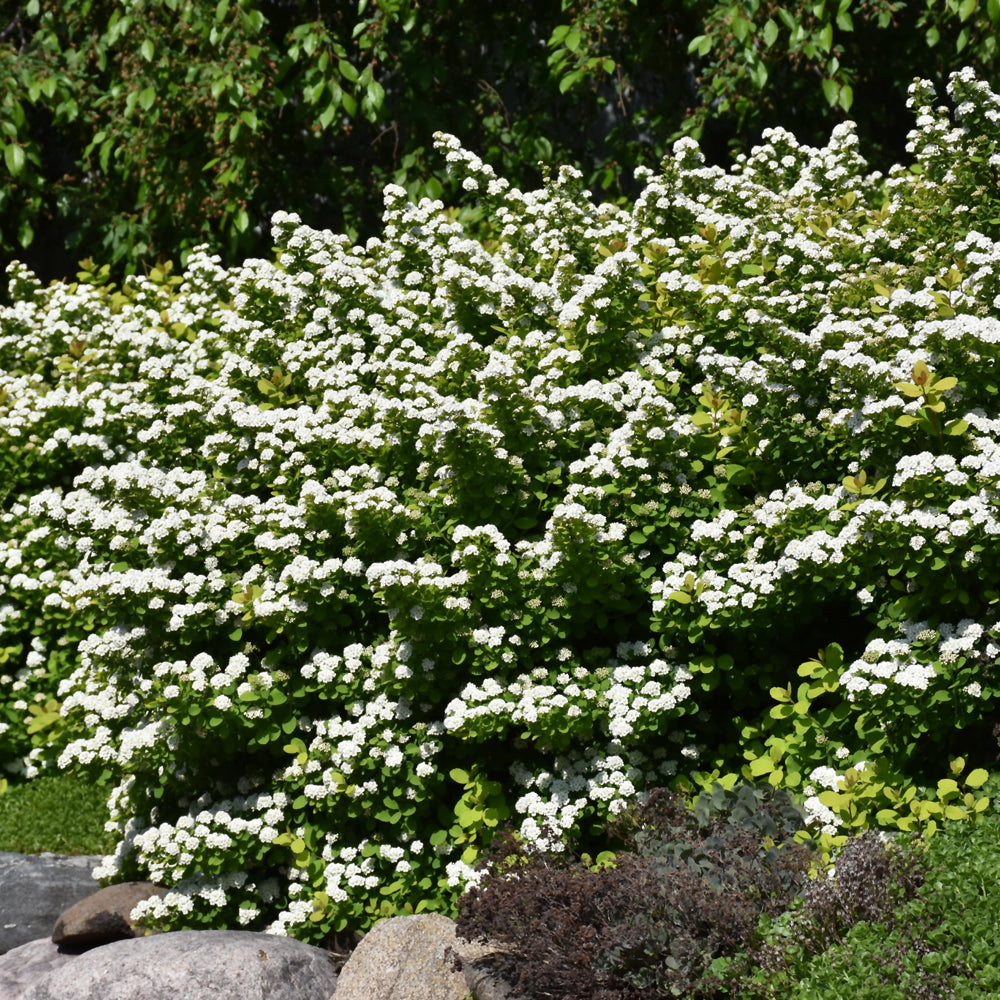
(35,889)
(193,965)
(27,963)
(104,916)
(404,958)
(490,977)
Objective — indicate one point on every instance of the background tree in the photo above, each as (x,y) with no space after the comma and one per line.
(132,131)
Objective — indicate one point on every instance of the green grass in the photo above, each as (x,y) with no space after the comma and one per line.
(60,813)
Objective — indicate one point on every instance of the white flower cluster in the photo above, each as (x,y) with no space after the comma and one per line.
(816,813)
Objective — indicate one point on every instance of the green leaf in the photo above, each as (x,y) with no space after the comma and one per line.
(147,97)
(831,91)
(14,158)
(457,774)
(104,154)
(467,817)
(42,721)
(702,44)
(376,94)
(977,778)
(347,71)
(327,116)
(559,33)
(771,32)
(147,50)
(569,79)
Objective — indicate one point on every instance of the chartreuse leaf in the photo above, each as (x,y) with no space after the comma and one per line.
(976,778)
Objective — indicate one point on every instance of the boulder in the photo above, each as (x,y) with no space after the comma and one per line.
(104,916)
(35,889)
(490,977)
(27,963)
(193,965)
(408,958)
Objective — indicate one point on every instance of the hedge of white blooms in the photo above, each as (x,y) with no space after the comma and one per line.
(335,562)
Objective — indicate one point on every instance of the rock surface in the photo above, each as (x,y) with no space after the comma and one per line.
(28,963)
(490,977)
(193,965)
(36,889)
(403,958)
(104,916)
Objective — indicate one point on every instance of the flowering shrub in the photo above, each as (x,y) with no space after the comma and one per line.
(337,561)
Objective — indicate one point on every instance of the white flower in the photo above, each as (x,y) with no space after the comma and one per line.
(825,776)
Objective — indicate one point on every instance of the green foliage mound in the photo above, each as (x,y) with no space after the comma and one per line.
(332,563)
(936,942)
